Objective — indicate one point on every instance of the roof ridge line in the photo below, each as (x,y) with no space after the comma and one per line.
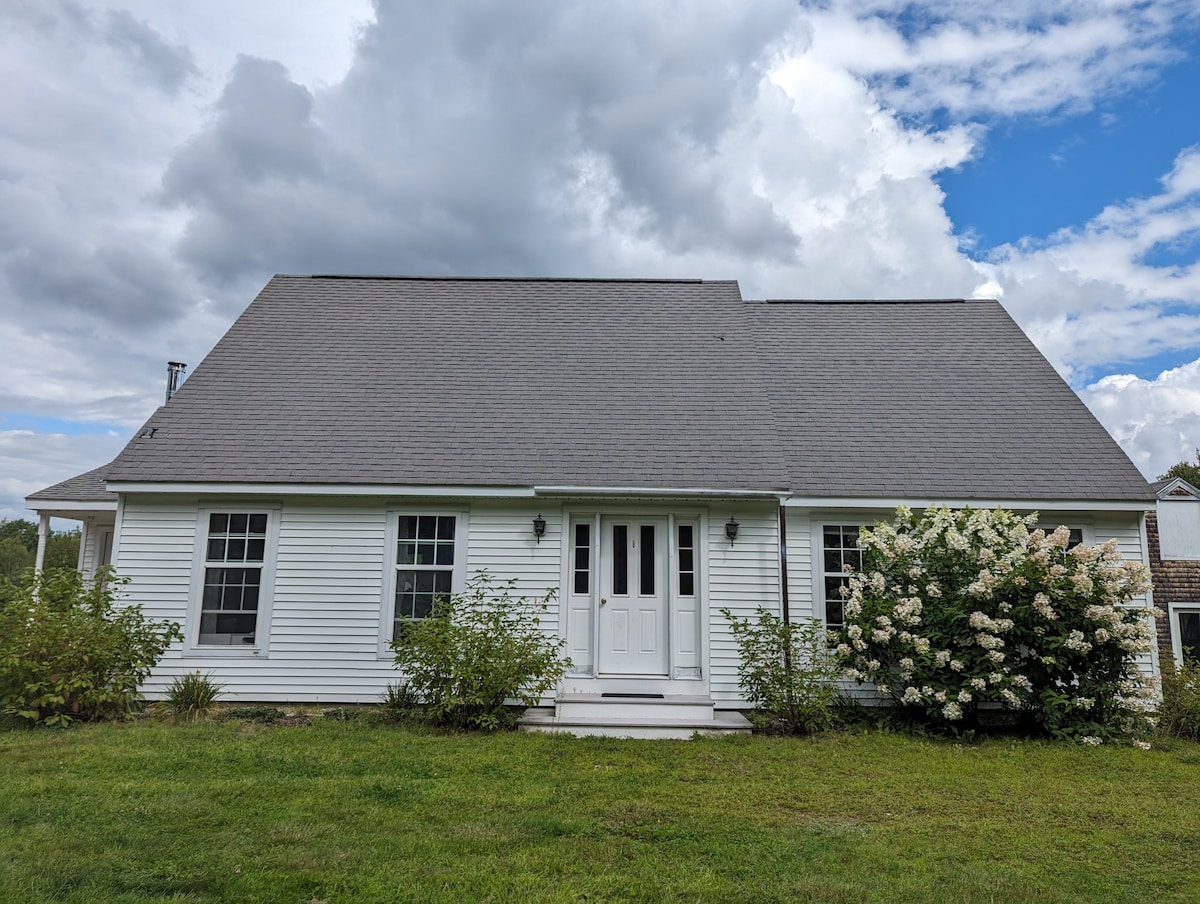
(866,300)
(548,279)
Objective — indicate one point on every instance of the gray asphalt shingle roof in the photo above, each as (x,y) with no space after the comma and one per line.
(625,383)
(87,487)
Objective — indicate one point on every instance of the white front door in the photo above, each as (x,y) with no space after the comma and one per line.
(633,596)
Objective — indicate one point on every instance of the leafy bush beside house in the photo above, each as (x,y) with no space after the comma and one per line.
(1179,710)
(956,610)
(786,670)
(68,652)
(478,650)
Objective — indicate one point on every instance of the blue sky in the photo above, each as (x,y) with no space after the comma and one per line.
(1036,176)
(164,158)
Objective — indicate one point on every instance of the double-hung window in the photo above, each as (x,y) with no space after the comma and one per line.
(839,548)
(235,554)
(428,563)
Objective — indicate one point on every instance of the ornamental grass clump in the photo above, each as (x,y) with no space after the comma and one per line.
(958,611)
(192,696)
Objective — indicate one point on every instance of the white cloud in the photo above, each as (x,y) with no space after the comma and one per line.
(1156,421)
(151,181)
(31,461)
(1088,296)
(315,39)
(1010,58)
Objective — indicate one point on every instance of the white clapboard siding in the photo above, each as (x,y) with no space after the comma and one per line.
(327,607)
(1126,527)
(91,541)
(800,539)
(503,544)
(87,546)
(332,561)
(155,554)
(327,611)
(742,576)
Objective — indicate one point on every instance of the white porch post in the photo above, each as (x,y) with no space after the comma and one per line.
(43,531)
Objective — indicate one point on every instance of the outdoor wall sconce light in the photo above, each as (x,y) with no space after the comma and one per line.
(731,527)
(539,527)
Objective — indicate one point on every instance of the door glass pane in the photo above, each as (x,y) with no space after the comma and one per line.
(647,560)
(583,549)
(620,557)
(687,561)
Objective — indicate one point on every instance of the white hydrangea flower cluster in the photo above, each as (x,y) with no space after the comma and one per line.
(962,608)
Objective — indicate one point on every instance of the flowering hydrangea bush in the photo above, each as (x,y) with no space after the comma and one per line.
(957,609)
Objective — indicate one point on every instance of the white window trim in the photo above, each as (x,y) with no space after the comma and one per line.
(458,579)
(817,533)
(266,593)
(1173,610)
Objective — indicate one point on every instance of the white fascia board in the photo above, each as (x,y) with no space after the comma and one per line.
(319,489)
(655,491)
(1040,505)
(64,505)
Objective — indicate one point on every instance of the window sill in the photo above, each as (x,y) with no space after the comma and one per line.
(225,652)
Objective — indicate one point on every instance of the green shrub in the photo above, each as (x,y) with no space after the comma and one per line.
(1179,711)
(68,652)
(478,650)
(192,695)
(958,610)
(786,671)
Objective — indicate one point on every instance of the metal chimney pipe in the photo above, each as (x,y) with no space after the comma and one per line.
(175,371)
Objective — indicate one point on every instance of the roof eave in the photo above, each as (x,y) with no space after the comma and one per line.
(1045,505)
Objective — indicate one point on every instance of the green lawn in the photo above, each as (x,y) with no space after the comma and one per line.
(347,812)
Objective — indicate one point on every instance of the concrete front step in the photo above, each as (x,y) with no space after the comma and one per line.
(671,708)
(597,721)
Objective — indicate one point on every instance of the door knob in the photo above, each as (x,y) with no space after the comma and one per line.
(603,600)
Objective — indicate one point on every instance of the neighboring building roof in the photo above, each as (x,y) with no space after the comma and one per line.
(87,487)
(1174,488)
(627,383)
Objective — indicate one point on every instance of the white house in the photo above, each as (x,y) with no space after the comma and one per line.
(654,450)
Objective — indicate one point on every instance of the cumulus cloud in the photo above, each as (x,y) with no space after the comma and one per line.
(161,163)
(667,139)
(1026,56)
(1157,421)
(1092,295)
(31,461)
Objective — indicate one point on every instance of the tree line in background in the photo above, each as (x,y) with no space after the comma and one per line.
(18,550)
(1188,470)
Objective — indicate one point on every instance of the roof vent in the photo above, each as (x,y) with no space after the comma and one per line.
(175,371)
